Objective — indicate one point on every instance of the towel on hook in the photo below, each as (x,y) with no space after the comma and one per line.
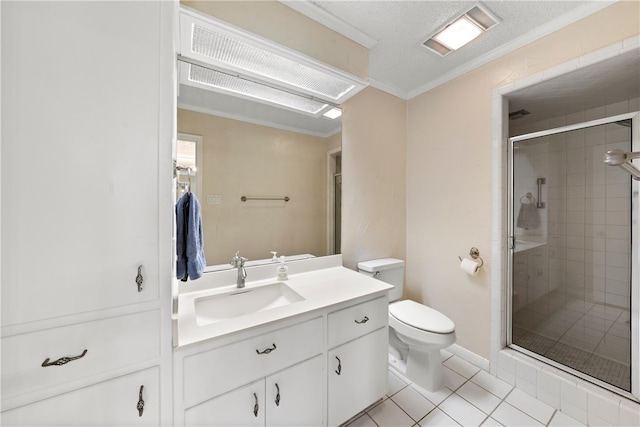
(528,215)
(189,243)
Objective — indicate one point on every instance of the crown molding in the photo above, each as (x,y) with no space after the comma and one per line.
(323,17)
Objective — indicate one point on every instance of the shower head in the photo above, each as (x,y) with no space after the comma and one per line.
(615,157)
(619,158)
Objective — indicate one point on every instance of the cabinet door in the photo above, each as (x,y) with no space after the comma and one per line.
(294,395)
(357,375)
(243,406)
(80,103)
(110,403)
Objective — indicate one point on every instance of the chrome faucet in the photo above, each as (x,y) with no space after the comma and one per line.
(238,262)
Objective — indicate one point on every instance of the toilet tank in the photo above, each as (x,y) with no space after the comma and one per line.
(389,270)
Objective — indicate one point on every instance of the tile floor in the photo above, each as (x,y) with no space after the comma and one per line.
(470,397)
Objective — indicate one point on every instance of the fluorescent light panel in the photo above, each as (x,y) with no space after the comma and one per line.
(253,60)
(233,85)
(261,65)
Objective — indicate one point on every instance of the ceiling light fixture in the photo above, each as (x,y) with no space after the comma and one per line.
(333,114)
(461,31)
(259,66)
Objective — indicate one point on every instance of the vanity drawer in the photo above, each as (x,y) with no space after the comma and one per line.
(216,371)
(357,320)
(110,344)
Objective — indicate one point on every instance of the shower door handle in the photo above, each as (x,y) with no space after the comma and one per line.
(540,182)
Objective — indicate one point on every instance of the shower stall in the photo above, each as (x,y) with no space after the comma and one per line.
(573,250)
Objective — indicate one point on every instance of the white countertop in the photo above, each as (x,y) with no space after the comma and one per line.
(320,288)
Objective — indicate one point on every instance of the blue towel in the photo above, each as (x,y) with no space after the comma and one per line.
(190,253)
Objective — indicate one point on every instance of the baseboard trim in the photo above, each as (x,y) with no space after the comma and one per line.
(470,357)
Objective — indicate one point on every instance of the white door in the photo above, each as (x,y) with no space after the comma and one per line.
(357,374)
(294,395)
(243,406)
(80,133)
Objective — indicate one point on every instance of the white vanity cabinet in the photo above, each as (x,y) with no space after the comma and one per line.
(237,383)
(291,397)
(357,358)
(86,212)
(314,369)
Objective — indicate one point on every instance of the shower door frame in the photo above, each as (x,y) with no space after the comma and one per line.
(634,267)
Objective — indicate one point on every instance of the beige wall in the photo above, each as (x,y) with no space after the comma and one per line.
(373,177)
(245,159)
(449,143)
(283,25)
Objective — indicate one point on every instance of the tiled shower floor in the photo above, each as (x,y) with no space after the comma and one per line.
(589,337)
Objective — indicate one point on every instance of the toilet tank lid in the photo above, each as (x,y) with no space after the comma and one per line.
(380,264)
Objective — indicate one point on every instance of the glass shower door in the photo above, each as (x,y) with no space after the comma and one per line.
(571,231)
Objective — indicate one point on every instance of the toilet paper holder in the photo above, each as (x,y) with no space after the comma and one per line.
(474,253)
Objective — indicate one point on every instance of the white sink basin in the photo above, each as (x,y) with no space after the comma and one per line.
(239,302)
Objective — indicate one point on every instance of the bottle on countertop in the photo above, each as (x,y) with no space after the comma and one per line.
(283,270)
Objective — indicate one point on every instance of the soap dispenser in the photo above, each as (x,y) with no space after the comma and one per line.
(283,270)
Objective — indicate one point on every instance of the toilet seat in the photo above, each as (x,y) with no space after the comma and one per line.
(421,317)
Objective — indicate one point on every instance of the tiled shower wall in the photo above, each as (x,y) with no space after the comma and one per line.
(585,220)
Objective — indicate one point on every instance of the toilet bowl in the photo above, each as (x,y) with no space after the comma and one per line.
(417,333)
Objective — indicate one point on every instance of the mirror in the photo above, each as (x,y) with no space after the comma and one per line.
(242,148)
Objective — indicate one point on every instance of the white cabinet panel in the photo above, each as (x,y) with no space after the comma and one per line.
(80,106)
(110,403)
(357,374)
(241,407)
(110,343)
(294,395)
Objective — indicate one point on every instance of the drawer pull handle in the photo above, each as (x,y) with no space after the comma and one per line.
(365,320)
(267,350)
(139,278)
(140,405)
(277,395)
(339,366)
(255,407)
(62,360)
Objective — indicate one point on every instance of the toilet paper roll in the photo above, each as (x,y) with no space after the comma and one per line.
(470,266)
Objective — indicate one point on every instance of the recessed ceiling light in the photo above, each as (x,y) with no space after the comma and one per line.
(461,31)
(334,113)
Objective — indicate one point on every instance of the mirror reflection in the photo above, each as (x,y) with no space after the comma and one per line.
(236,157)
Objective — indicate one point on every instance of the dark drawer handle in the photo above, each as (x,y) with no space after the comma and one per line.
(255,407)
(365,320)
(267,350)
(139,278)
(140,405)
(339,366)
(277,395)
(62,360)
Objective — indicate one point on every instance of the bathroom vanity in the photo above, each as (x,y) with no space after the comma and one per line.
(317,360)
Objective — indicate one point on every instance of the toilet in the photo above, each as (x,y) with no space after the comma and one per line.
(416,332)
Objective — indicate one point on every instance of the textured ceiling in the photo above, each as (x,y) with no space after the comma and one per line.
(399,63)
